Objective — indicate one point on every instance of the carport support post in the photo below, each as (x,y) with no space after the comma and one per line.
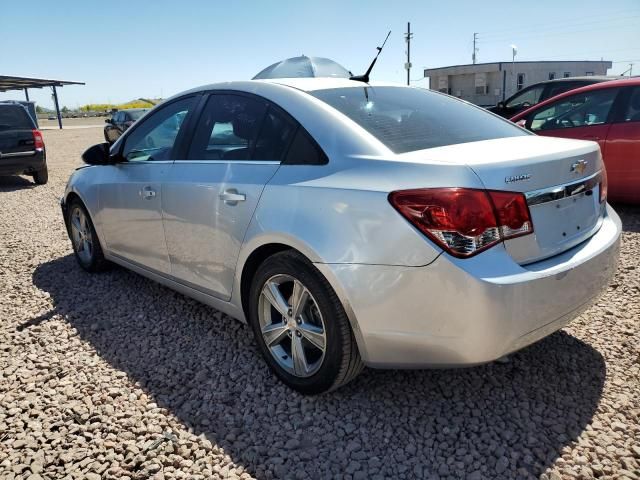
(55,101)
(26,94)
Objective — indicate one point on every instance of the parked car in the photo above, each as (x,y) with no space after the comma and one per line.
(120,121)
(352,224)
(539,92)
(607,113)
(22,150)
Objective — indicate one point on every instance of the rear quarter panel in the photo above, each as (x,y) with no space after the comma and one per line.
(339,213)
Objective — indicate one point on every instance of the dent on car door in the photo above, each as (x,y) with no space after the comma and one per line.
(622,151)
(130,192)
(584,116)
(210,196)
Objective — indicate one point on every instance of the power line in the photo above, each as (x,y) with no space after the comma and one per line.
(562,24)
(599,53)
(547,34)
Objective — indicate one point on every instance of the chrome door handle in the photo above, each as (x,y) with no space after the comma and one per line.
(232,197)
(147,193)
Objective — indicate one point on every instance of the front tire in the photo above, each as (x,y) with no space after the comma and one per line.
(84,238)
(300,325)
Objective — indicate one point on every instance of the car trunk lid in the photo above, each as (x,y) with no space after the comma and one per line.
(559,177)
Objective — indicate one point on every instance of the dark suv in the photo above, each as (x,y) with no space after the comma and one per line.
(22,149)
(539,92)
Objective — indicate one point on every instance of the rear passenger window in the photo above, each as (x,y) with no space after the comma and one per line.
(304,151)
(275,136)
(14,117)
(227,128)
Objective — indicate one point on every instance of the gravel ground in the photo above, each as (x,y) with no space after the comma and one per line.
(114,376)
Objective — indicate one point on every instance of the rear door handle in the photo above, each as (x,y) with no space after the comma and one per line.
(232,197)
(147,193)
(591,137)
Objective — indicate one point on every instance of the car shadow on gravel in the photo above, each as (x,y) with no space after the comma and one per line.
(500,420)
(14,182)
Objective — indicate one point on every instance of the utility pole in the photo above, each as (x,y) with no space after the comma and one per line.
(475,49)
(408,36)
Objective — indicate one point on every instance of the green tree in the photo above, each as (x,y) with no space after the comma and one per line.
(64,109)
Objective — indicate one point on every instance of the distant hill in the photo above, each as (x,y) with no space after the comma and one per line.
(107,107)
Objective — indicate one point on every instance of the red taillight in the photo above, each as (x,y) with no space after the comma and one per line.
(464,221)
(603,185)
(38,142)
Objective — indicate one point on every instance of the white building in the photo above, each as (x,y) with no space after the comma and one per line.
(488,83)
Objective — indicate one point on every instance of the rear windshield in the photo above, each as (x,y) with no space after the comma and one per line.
(14,117)
(408,119)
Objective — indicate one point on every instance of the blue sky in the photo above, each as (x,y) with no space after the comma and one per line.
(128,49)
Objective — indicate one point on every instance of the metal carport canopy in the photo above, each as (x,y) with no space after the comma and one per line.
(25,83)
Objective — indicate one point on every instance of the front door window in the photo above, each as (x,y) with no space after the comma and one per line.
(581,110)
(154,138)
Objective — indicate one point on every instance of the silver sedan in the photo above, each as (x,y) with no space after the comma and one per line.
(351,224)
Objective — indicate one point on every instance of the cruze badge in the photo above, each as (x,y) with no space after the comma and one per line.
(579,167)
(517,178)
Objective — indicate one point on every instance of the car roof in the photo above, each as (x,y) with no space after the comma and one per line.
(316,83)
(621,82)
(302,84)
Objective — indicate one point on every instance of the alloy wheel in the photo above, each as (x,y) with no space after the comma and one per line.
(292,326)
(81,235)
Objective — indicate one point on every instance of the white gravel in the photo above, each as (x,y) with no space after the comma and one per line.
(114,376)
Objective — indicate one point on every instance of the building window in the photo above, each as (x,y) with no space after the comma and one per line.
(520,83)
(552,75)
(589,74)
(566,74)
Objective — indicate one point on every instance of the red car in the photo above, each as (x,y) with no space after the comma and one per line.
(608,113)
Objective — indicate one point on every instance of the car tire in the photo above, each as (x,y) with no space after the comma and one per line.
(321,321)
(40,177)
(84,239)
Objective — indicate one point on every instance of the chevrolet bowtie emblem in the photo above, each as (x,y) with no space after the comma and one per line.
(579,167)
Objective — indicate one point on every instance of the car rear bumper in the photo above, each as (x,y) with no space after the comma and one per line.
(17,165)
(460,312)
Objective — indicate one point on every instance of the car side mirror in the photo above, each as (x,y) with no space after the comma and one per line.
(98,155)
(107,120)
(522,123)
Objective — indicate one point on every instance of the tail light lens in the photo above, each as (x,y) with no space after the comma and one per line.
(464,221)
(38,142)
(603,185)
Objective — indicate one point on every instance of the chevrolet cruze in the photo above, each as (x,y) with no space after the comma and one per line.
(352,224)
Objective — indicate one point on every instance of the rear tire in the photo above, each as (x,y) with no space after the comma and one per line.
(40,177)
(316,325)
(84,239)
